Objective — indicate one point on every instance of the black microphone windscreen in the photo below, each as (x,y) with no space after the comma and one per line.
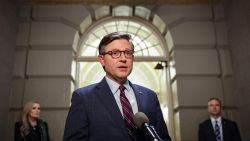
(140,118)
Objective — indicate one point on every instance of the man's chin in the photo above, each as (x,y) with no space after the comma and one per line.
(123,75)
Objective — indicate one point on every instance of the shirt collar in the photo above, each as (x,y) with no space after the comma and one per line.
(115,86)
(213,119)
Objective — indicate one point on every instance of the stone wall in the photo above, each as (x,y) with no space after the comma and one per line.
(8,30)
(44,67)
(238,21)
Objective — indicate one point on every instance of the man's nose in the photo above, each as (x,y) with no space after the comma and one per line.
(123,56)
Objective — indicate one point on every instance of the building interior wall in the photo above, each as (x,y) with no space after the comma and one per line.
(238,24)
(210,52)
(8,32)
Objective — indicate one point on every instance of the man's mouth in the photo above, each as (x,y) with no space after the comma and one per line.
(123,68)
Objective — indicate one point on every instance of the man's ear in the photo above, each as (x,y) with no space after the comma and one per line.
(101,60)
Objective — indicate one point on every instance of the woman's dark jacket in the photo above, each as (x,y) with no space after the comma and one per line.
(39,133)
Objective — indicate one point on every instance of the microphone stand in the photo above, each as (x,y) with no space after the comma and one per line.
(157,138)
(152,133)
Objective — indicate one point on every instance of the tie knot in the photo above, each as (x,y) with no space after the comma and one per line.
(122,88)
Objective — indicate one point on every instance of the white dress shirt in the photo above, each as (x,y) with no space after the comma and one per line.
(219,122)
(128,92)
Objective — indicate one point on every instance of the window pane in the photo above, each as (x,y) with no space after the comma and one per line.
(145,41)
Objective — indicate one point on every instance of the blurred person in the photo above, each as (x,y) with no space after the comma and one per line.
(31,128)
(101,112)
(217,128)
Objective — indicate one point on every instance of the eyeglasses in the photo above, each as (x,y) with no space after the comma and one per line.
(117,53)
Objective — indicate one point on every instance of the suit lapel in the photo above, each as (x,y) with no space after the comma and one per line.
(224,129)
(139,97)
(106,96)
(211,129)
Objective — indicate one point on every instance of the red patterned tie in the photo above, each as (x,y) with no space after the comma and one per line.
(127,113)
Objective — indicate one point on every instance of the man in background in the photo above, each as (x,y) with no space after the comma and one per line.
(217,128)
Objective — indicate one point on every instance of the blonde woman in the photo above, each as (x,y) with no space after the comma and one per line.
(31,128)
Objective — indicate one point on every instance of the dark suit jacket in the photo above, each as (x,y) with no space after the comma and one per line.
(94,115)
(229,129)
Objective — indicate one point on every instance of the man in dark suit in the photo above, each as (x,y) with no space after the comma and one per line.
(217,128)
(97,112)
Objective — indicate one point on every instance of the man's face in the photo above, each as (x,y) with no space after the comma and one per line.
(119,68)
(214,108)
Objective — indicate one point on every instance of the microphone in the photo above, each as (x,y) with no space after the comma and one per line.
(142,122)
